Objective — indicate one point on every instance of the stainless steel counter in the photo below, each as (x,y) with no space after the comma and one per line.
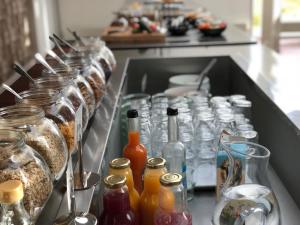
(262,66)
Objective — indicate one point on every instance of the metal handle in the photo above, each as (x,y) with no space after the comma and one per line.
(66,43)
(258,209)
(20,70)
(8,88)
(41,60)
(76,36)
(55,56)
(58,45)
(204,72)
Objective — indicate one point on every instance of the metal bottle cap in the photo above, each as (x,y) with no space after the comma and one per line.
(242,103)
(11,191)
(114,181)
(156,163)
(119,163)
(170,179)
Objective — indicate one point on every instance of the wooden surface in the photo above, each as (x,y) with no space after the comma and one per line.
(121,35)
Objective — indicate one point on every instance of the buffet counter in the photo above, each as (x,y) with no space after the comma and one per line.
(264,69)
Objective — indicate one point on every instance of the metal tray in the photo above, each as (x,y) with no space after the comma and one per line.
(226,78)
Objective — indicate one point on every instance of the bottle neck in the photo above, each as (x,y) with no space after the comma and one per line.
(15,213)
(172,129)
(133,131)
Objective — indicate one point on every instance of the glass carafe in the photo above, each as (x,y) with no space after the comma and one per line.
(246,196)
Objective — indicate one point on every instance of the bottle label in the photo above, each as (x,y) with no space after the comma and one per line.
(183,173)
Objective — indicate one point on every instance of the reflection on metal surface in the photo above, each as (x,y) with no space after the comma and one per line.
(88,180)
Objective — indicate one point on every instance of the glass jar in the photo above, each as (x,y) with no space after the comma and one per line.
(243,106)
(41,133)
(68,89)
(20,162)
(92,72)
(57,108)
(172,202)
(84,87)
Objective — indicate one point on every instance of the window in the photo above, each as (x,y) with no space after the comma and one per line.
(16,35)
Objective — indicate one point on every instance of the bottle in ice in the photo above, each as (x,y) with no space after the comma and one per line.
(116,205)
(134,150)
(150,197)
(121,166)
(174,151)
(173,191)
(246,196)
(12,211)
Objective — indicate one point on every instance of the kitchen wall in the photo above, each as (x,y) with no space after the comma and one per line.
(88,17)
(46,19)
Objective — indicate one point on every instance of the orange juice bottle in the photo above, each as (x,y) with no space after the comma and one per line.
(149,200)
(135,151)
(121,166)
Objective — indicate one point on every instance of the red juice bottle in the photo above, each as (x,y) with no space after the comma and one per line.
(135,151)
(116,205)
(178,214)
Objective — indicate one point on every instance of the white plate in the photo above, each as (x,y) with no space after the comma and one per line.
(186,80)
(182,91)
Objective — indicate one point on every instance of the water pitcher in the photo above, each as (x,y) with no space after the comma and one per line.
(246,197)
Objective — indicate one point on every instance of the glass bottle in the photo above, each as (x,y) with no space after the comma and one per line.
(246,196)
(173,191)
(121,166)
(174,151)
(116,206)
(12,206)
(134,150)
(28,167)
(150,197)
(57,108)
(41,133)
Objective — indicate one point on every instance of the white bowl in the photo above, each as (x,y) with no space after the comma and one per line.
(186,80)
(182,91)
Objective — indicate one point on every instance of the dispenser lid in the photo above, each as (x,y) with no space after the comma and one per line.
(119,163)
(11,191)
(156,163)
(170,179)
(114,181)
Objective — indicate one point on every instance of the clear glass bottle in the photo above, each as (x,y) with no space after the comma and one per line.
(116,206)
(174,152)
(11,204)
(41,133)
(149,200)
(243,106)
(19,161)
(172,202)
